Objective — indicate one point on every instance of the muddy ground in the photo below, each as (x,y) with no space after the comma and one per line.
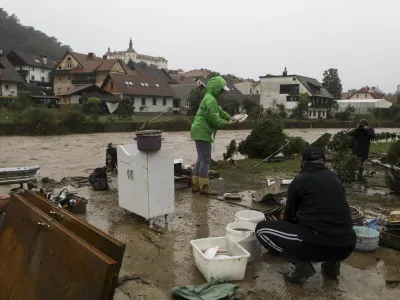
(164,258)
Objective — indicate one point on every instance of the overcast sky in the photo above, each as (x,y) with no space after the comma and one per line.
(248,38)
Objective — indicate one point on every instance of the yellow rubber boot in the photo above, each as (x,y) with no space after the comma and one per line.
(205,187)
(195,184)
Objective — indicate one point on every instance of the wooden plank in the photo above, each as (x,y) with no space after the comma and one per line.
(40,259)
(90,234)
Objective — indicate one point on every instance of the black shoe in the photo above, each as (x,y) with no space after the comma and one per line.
(301,271)
(331,268)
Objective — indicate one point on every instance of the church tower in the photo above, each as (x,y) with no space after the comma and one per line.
(130,45)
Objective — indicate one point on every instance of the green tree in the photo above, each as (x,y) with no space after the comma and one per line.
(93,106)
(125,109)
(300,111)
(19,105)
(195,97)
(346,114)
(213,74)
(332,83)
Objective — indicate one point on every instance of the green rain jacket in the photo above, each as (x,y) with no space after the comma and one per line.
(210,116)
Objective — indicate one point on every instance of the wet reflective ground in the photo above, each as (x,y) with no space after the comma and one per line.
(167,259)
(164,256)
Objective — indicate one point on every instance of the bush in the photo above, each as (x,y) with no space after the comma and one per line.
(393,154)
(265,139)
(45,121)
(392,179)
(73,120)
(231,149)
(345,166)
(322,141)
(297,145)
(125,109)
(93,106)
(340,142)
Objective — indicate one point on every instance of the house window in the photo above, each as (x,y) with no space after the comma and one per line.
(59,91)
(366,96)
(154,101)
(186,104)
(80,101)
(59,79)
(289,89)
(257,91)
(112,85)
(42,79)
(69,66)
(68,89)
(164,102)
(68,79)
(314,113)
(42,70)
(357,95)
(33,68)
(143,101)
(32,77)
(6,86)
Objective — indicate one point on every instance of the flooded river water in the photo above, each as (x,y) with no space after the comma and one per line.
(77,155)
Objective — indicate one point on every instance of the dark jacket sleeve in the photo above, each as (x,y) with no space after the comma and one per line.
(371,132)
(353,132)
(292,203)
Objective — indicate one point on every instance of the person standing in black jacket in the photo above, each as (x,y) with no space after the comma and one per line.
(317,224)
(361,142)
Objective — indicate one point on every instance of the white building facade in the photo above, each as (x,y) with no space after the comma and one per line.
(130,54)
(286,90)
(363,106)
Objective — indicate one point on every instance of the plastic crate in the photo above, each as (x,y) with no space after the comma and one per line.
(226,269)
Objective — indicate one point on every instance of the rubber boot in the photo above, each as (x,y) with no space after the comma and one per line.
(330,268)
(195,184)
(205,187)
(301,271)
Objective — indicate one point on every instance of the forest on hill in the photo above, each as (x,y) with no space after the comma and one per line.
(15,36)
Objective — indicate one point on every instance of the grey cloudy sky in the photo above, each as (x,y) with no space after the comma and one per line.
(248,38)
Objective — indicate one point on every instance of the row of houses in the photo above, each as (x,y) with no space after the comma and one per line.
(76,77)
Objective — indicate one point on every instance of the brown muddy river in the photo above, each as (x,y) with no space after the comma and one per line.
(77,155)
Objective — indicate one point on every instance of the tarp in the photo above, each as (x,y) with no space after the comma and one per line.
(112,106)
(213,290)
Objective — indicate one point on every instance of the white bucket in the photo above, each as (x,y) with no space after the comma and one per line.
(245,238)
(251,216)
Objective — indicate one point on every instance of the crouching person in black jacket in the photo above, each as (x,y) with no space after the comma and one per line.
(317,224)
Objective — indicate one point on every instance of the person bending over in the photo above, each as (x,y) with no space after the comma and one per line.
(317,224)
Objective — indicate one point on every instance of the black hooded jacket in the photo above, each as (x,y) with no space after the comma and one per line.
(361,141)
(317,200)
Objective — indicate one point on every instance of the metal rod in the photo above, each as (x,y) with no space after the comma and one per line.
(273,154)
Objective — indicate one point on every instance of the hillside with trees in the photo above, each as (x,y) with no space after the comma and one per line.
(15,36)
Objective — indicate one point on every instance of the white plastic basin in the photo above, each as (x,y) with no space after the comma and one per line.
(230,268)
(367,238)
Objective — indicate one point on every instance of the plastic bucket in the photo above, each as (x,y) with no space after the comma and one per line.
(367,238)
(244,234)
(252,216)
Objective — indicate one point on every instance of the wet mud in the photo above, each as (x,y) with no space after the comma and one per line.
(163,256)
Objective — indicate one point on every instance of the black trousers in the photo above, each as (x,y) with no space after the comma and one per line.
(288,239)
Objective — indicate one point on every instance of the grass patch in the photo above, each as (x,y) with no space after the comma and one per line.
(379,147)
(238,177)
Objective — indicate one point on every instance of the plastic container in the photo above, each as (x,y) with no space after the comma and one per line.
(247,239)
(252,216)
(367,238)
(226,269)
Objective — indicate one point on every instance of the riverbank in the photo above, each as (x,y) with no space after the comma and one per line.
(76,123)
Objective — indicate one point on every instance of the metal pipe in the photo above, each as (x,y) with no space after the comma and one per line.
(273,154)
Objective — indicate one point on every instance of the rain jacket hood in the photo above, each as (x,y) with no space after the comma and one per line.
(210,116)
(215,86)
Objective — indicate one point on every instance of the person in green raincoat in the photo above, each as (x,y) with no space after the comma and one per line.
(209,118)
